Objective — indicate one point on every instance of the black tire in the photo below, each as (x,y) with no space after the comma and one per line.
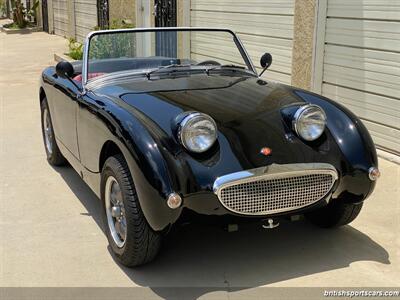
(142,243)
(335,214)
(54,156)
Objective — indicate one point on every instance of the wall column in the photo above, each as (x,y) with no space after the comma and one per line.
(39,16)
(71,19)
(305,16)
(50,16)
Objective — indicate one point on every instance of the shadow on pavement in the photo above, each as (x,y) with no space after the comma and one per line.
(204,259)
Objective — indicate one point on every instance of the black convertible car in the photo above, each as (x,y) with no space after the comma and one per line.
(172,124)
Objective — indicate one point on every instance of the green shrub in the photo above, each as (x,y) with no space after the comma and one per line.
(11,26)
(105,46)
(113,45)
(75,49)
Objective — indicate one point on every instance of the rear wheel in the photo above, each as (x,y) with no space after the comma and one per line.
(335,214)
(131,239)
(54,156)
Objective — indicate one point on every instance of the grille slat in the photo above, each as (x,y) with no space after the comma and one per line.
(277,194)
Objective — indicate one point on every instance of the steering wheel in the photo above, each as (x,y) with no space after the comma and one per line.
(208,62)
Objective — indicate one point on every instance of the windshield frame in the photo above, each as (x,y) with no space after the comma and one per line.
(236,39)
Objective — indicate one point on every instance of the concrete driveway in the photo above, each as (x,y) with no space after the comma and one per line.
(51,232)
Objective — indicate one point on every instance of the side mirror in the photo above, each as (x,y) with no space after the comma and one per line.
(64,69)
(265,62)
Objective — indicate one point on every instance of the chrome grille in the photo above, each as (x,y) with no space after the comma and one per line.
(275,193)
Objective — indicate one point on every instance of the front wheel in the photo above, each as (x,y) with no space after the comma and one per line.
(335,214)
(53,153)
(130,237)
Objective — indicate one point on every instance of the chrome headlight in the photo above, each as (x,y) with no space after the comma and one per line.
(309,122)
(197,132)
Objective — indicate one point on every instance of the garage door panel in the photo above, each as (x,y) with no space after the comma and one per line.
(281,51)
(361,66)
(281,63)
(363,59)
(365,9)
(60,4)
(88,21)
(262,25)
(89,7)
(85,17)
(269,75)
(387,138)
(366,34)
(367,26)
(275,76)
(60,17)
(362,80)
(60,28)
(214,50)
(204,44)
(266,43)
(384,110)
(278,26)
(284,7)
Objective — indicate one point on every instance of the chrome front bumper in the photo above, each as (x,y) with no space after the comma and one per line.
(275,188)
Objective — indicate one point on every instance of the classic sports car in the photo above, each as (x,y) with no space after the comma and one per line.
(173,124)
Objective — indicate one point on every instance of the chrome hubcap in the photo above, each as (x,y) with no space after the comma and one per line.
(48,133)
(115,211)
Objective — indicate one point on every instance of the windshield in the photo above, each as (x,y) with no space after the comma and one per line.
(152,52)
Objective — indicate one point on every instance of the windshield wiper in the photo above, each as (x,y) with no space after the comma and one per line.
(148,74)
(233,66)
(225,67)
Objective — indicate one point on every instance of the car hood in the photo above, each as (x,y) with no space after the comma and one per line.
(247,110)
(225,98)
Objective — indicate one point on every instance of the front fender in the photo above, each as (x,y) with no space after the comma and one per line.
(354,141)
(101,120)
(148,166)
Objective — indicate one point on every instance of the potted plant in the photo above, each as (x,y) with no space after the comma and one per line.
(22,17)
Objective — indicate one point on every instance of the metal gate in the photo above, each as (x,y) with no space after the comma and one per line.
(165,16)
(45,16)
(103,14)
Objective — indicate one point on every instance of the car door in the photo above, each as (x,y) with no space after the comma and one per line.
(92,130)
(64,109)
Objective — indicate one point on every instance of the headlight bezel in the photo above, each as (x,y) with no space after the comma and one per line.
(186,122)
(300,112)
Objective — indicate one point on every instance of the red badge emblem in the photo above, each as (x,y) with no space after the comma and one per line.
(266,151)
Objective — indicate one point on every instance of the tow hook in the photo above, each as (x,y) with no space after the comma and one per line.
(270,224)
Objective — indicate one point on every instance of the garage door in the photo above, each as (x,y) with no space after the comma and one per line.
(262,25)
(60,10)
(361,66)
(85,17)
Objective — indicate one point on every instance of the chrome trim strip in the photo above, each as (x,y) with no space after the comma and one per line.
(274,171)
(85,59)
